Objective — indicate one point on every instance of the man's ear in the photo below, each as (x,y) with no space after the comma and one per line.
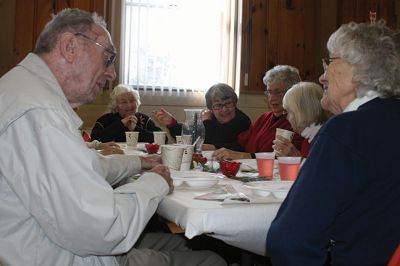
(68,46)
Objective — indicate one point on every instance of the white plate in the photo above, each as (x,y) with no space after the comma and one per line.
(278,189)
(194,179)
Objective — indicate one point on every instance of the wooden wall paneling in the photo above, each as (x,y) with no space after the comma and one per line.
(24,29)
(43,11)
(33,16)
(311,63)
(258,49)
(61,4)
(291,34)
(98,6)
(358,11)
(88,5)
(253,52)
(272,33)
(83,4)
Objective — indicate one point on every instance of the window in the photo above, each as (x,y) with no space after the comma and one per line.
(178,44)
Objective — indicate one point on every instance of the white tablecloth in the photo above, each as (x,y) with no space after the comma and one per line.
(243,225)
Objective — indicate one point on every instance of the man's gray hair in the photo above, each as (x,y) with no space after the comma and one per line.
(67,20)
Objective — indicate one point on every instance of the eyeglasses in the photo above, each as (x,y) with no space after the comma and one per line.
(326,61)
(111,59)
(277,92)
(219,106)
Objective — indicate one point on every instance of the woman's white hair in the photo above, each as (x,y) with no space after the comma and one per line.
(373,51)
(304,101)
(117,91)
(282,73)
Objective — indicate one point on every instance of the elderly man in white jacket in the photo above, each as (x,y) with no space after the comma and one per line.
(56,206)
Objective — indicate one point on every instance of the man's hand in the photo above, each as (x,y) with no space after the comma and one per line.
(163,171)
(150,161)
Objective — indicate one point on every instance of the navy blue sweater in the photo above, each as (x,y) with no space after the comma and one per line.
(346,199)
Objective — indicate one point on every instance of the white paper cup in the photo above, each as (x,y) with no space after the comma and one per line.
(131,138)
(171,156)
(159,137)
(187,139)
(187,156)
(289,167)
(287,134)
(179,140)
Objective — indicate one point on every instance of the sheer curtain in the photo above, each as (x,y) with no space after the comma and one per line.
(179,45)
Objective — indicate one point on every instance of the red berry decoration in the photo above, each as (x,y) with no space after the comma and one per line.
(198,158)
(152,148)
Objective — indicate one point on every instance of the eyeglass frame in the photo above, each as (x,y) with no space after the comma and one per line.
(277,93)
(220,106)
(113,54)
(326,61)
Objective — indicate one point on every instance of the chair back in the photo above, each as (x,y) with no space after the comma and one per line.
(395,260)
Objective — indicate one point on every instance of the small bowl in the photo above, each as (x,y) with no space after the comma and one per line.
(229,168)
(152,148)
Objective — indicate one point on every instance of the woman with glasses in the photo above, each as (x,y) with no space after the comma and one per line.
(302,103)
(223,121)
(259,137)
(343,208)
(123,116)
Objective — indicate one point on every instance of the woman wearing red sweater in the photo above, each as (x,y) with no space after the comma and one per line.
(259,137)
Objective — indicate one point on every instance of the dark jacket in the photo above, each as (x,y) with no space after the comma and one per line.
(110,128)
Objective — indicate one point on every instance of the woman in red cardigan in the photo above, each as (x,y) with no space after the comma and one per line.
(259,137)
(302,103)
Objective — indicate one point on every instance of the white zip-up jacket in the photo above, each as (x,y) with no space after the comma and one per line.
(56,206)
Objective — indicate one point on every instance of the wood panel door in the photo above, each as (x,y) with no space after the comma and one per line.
(278,32)
(32,16)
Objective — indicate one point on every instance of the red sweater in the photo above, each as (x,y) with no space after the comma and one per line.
(259,136)
(305,148)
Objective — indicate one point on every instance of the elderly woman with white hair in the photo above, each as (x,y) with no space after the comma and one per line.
(123,116)
(343,208)
(302,103)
